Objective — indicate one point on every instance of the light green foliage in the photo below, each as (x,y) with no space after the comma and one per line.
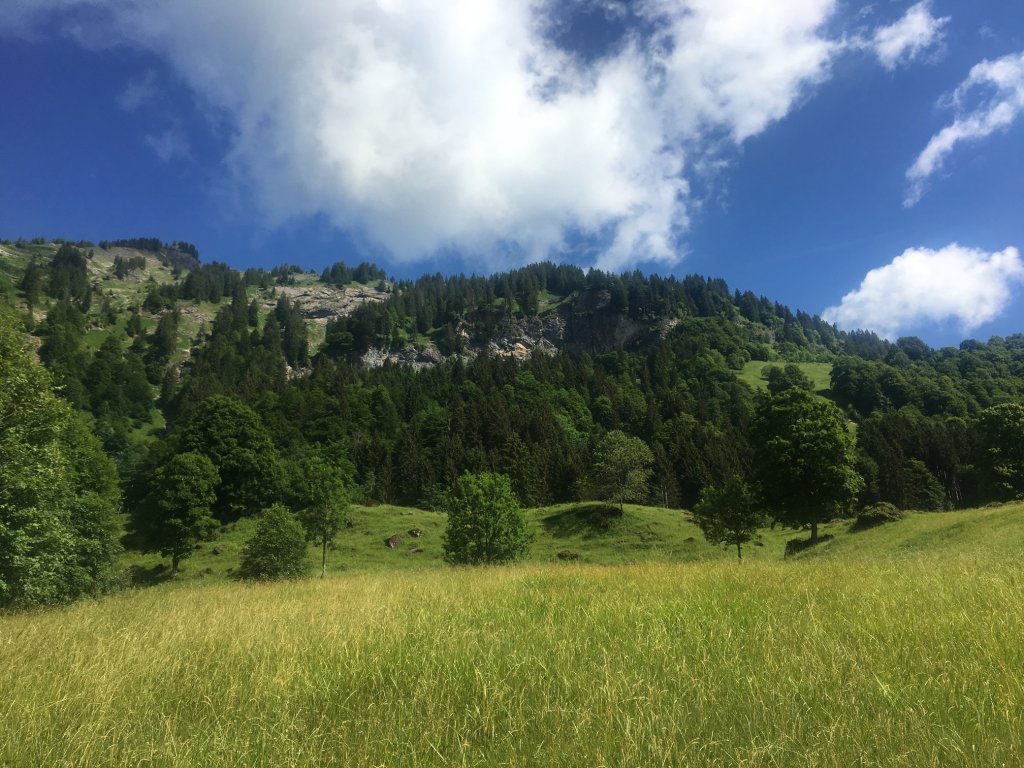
(877,658)
(323,499)
(179,504)
(729,514)
(485,523)
(278,548)
(622,468)
(58,492)
(804,459)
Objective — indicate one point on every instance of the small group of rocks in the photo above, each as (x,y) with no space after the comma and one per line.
(395,541)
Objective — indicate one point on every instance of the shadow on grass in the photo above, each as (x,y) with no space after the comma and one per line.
(796,546)
(147,577)
(582,520)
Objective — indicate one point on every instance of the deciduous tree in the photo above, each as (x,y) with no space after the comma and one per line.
(485,522)
(804,459)
(729,514)
(323,497)
(622,468)
(179,506)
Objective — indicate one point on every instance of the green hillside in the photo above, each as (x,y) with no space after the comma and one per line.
(898,646)
(595,534)
(754,373)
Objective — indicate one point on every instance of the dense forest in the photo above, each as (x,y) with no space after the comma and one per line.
(524,373)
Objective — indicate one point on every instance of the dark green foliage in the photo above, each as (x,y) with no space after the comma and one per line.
(804,459)
(729,514)
(160,297)
(293,337)
(231,435)
(485,524)
(210,282)
(178,509)
(69,277)
(125,266)
(781,379)
(1001,455)
(878,513)
(340,274)
(653,358)
(277,550)
(31,284)
(151,244)
(59,496)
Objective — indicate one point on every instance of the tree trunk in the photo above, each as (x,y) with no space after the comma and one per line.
(814,533)
(323,562)
(739,554)
(175,560)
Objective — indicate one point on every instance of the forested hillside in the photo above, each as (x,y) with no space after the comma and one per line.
(403,386)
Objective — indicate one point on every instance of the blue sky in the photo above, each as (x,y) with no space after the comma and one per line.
(861,160)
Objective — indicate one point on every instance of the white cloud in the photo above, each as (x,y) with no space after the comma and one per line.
(170,144)
(427,125)
(909,37)
(1003,80)
(922,285)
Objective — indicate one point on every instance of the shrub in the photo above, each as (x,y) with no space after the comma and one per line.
(277,550)
(485,523)
(877,514)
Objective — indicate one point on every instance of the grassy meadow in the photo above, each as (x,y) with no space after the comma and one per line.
(900,645)
(587,533)
(820,374)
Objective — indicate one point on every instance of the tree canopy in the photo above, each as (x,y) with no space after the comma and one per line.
(59,495)
(729,514)
(804,459)
(180,503)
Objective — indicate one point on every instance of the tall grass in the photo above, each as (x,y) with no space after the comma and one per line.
(915,660)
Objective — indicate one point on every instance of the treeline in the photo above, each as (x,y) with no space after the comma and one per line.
(934,428)
(206,282)
(152,245)
(341,274)
(443,308)
(938,428)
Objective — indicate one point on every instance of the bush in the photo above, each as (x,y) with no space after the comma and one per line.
(877,514)
(277,550)
(485,523)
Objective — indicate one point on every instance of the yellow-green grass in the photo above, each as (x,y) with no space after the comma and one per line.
(820,374)
(876,657)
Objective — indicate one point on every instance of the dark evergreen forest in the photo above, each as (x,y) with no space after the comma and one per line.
(654,357)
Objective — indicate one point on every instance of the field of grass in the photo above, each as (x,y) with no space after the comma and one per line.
(588,533)
(819,373)
(898,646)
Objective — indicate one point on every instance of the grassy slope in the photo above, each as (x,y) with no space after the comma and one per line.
(819,373)
(895,646)
(595,533)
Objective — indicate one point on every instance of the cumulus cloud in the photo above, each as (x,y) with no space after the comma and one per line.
(922,285)
(426,125)
(1002,83)
(906,39)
